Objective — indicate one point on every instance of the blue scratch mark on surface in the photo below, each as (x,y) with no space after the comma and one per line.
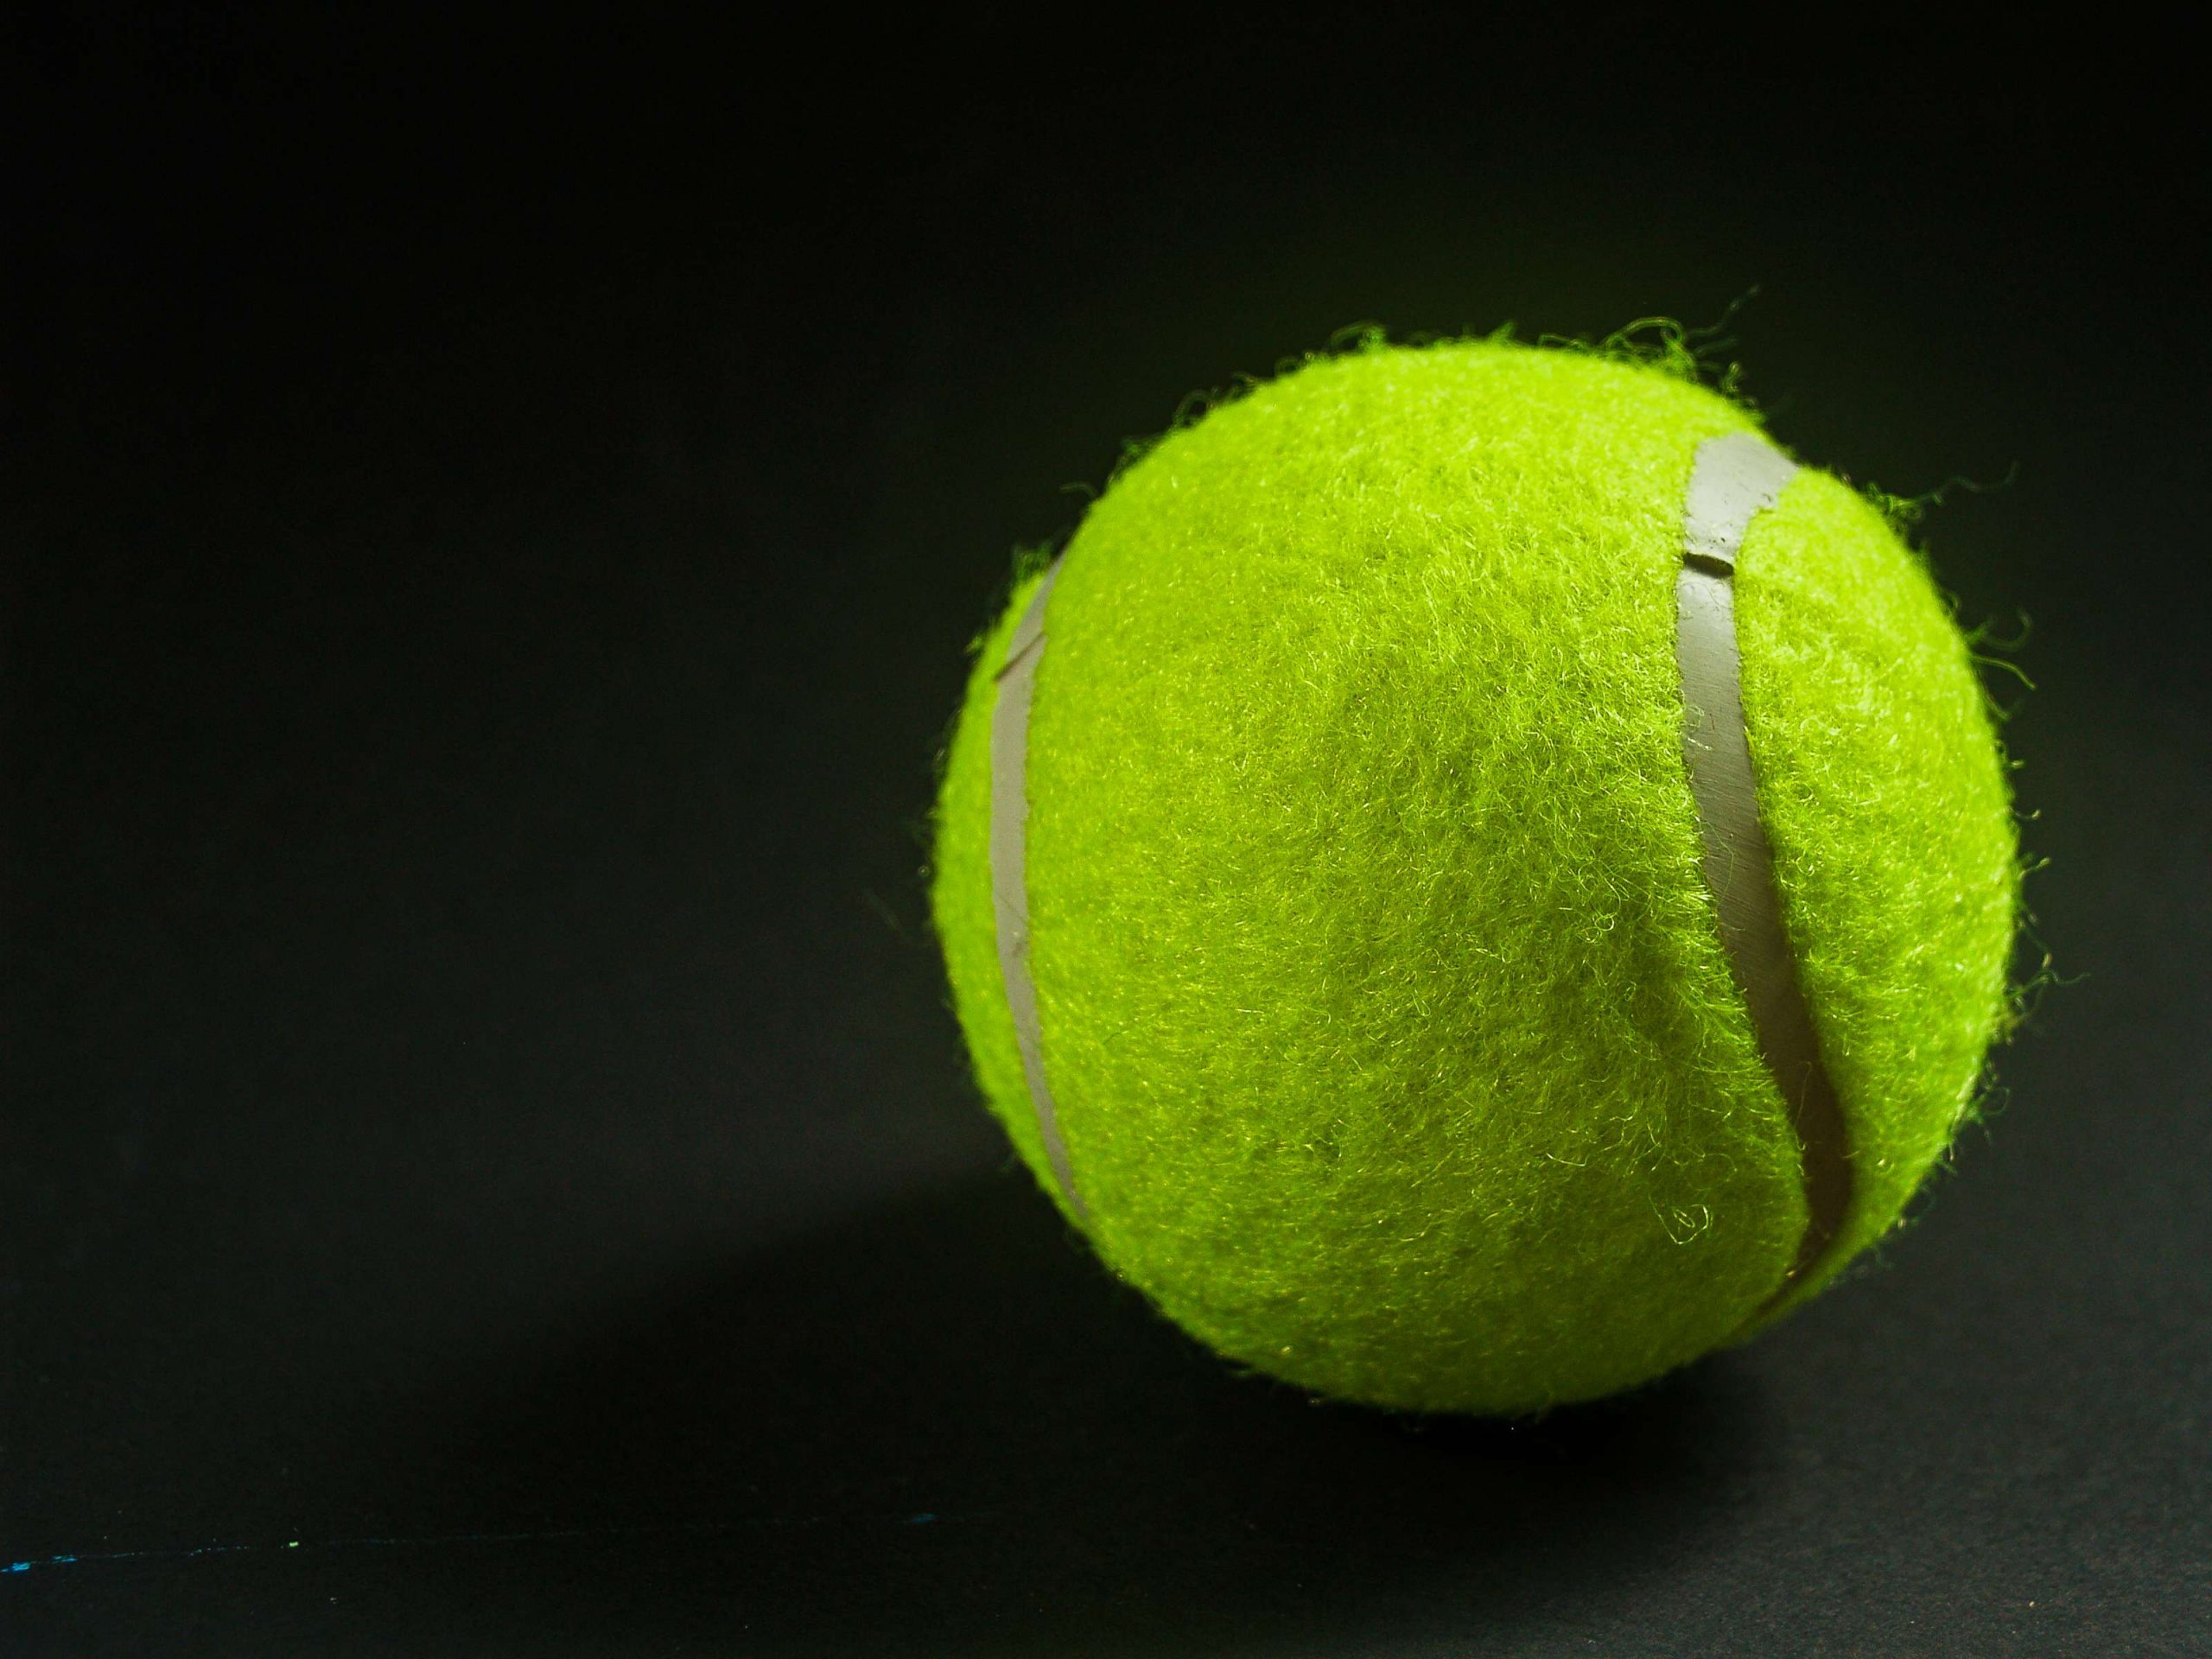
(140,1556)
(921,1518)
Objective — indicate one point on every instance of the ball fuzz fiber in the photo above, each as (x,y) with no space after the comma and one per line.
(1393,1046)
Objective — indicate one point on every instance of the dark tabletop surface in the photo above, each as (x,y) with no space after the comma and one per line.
(490,523)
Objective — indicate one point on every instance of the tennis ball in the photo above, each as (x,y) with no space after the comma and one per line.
(1474,880)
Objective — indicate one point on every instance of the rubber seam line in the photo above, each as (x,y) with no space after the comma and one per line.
(1017,685)
(1734,480)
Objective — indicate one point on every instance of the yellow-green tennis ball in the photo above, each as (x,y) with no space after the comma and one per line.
(1350,844)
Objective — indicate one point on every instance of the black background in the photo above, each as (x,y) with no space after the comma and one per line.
(492,515)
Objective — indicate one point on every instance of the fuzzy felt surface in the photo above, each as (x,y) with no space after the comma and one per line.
(1390,1032)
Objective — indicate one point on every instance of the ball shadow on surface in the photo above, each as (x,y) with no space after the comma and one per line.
(942,1421)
